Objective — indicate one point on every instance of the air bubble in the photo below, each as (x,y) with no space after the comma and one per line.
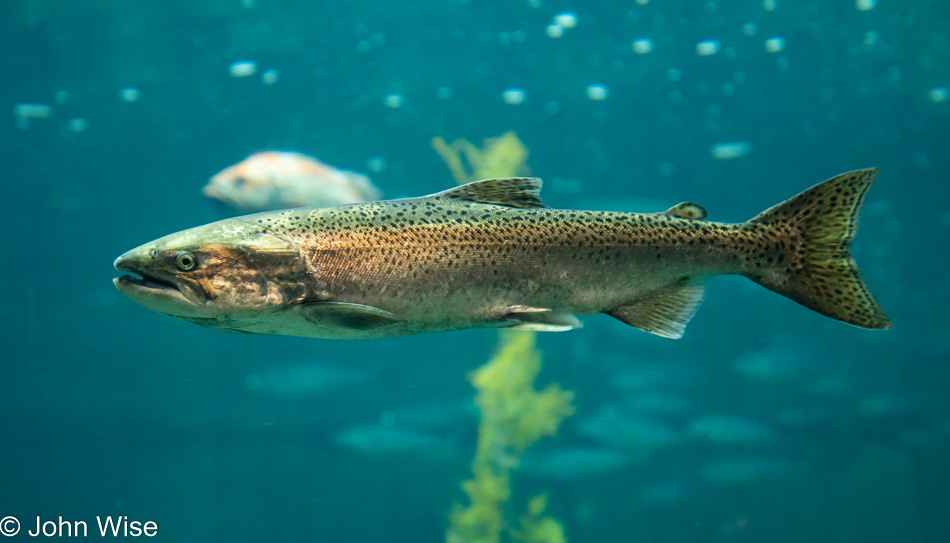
(242,68)
(513,96)
(642,46)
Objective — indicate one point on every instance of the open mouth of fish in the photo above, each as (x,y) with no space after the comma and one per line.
(145,281)
(137,281)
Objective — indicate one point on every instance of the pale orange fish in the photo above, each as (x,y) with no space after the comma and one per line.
(283,179)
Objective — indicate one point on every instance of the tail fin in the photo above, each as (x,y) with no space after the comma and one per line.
(815,229)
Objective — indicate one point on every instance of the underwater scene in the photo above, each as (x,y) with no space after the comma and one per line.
(428,346)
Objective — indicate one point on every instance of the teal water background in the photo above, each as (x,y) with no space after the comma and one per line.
(832,433)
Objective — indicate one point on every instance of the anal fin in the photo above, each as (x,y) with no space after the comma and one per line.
(541,319)
(666,311)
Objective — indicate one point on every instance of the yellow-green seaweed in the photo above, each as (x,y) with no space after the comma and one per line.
(504,156)
(513,417)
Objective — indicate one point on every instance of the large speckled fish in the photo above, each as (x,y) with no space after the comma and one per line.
(491,254)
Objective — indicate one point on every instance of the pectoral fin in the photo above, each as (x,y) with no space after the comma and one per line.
(664,312)
(539,319)
(358,316)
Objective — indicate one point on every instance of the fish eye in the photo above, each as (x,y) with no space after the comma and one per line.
(185,261)
(153,253)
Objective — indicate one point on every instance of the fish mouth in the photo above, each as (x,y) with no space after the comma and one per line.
(148,287)
(145,282)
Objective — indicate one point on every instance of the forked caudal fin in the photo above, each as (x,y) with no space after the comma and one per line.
(816,228)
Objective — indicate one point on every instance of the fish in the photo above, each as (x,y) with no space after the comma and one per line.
(379,440)
(273,180)
(666,492)
(630,431)
(644,378)
(491,254)
(436,415)
(658,403)
(305,379)
(786,359)
(747,469)
(572,463)
(732,430)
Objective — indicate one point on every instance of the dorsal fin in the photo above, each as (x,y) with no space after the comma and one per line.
(504,191)
(686,210)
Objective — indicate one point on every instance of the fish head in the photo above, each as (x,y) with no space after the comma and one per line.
(236,187)
(226,275)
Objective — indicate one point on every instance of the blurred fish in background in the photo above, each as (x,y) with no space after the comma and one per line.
(744,469)
(388,440)
(785,359)
(284,179)
(632,432)
(572,462)
(305,379)
(732,430)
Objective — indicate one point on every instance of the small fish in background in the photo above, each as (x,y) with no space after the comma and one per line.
(661,404)
(628,431)
(382,440)
(645,378)
(787,358)
(305,379)
(744,469)
(572,463)
(434,415)
(813,413)
(283,179)
(732,430)
(927,435)
(885,404)
(666,492)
